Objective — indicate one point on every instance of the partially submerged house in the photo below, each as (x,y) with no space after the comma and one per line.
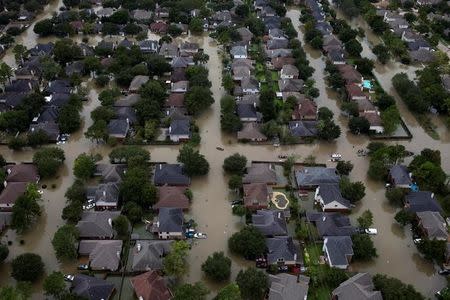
(256,195)
(172,196)
(260,173)
(169,223)
(170,174)
(400,177)
(92,288)
(359,287)
(330,198)
(432,225)
(331,224)
(97,225)
(310,178)
(281,250)
(149,254)
(270,222)
(422,201)
(103,254)
(150,286)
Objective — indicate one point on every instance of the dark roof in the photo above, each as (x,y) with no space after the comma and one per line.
(22,173)
(51,129)
(172,196)
(281,247)
(313,176)
(260,173)
(170,174)
(180,127)
(256,194)
(400,175)
(330,193)
(59,99)
(434,225)
(126,43)
(290,85)
(92,288)
(288,287)
(150,286)
(338,248)
(148,254)
(11,192)
(76,67)
(13,99)
(422,201)
(246,110)
(358,287)
(42,49)
(418,43)
(118,127)
(270,222)
(107,193)
(110,172)
(179,74)
(125,113)
(49,114)
(303,128)
(97,224)
(170,219)
(175,100)
(331,224)
(103,254)
(129,100)
(59,86)
(22,86)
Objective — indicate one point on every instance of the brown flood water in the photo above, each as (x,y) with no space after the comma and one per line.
(210,208)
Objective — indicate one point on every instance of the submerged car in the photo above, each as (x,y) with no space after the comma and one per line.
(371,231)
(199,235)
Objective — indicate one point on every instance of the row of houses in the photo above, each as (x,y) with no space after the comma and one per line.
(355,90)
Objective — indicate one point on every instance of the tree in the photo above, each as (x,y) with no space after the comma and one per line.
(198,99)
(217,266)
(194,163)
(69,119)
(433,250)
(37,138)
(122,226)
(54,285)
(121,16)
(229,292)
(84,166)
(395,196)
(5,73)
(242,10)
(27,267)
(363,248)
(235,182)
(97,131)
(248,242)
(137,188)
(328,130)
(382,53)
(364,65)
(44,27)
(50,69)
(384,101)
(353,191)
(235,164)
(267,105)
(125,153)
(393,289)
(65,50)
(201,57)
(359,125)
(157,65)
(404,217)
(72,212)
(4,252)
(196,26)
(430,176)
(344,167)
(102,113)
(271,129)
(351,108)
(252,283)
(175,262)
(26,209)
(390,119)
(366,219)
(187,291)
(48,160)
(151,129)
(133,212)
(22,291)
(353,48)
(64,242)
(20,52)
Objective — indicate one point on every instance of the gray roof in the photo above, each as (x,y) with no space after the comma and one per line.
(5,219)
(358,287)
(251,131)
(245,33)
(400,175)
(137,82)
(422,201)
(281,247)
(118,127)
(170,219)
(446,82)
(149,254)
(288,287)
(110,172)
(339,247)
(422,55)
(270,222)
(249,83)
(238,51)
(170,50)
(49,114)
(313,176)
(290,85)
(180,127)
(434,224)
(129,100)
(260,173)
(303,128)
(170,174)
(149,45)
(107,193)
(289,70)
(330,193)
(126,113)
(331,224)
(103,254)
(97,224)
(246,110)
(181,62)
(277,44)
(92,288)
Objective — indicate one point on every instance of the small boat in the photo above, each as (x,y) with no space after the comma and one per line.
(336,157)
(219,148)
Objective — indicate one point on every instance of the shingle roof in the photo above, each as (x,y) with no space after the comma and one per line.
(170,174)
(129,100)
(137,82)
(118,127)
(180,127)
(338,248)
(11,192)
(175,100)
(172,196)
(260,173)
(358,287)
(400,175)
(110,172)
(256,194)
(22,173)
(150,286)
(281,247)
(97,224)
(330,193)
(434,224)
(150,254)
(103,254)
(290,85)
(170,219)
(246,110)
(251,131)
(287,287)
(51,129)
(92,288)
(331,224)
(313,176)
(126,113)
(270,222)
(107,194)
(303,128)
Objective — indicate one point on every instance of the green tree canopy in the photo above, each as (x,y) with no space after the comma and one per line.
(194,163)
(48,160)
(175,262)
(64,242)
(394,289)
(235,164)
(4,252)
(84,166)
(124,153)
(363,248)
(54,285)
(198,99)
(248,242)
(217,266)
(26,209)
(366,219)
(353,191)
(252,283)
(229,292)
(27,267)
(122,226)
(344,167)
(187,291)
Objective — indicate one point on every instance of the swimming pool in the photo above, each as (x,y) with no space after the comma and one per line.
(367,84)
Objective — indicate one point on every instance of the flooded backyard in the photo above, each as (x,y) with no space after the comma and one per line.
(211,207)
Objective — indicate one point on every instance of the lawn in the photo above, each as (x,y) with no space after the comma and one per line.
(274,75)
(312,254)
(322,293)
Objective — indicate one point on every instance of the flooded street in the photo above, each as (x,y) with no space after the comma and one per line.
(211,208)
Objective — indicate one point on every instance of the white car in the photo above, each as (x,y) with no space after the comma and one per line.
(89,206)
(200,235)
(69,277)
(371,231)
(417,241)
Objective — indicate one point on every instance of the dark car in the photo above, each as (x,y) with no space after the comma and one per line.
(83,267)
(444,272)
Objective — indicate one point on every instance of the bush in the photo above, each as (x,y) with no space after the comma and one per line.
(27,267)
(396,196)
(363,247)
(248,242)
(235,164)
(217,266)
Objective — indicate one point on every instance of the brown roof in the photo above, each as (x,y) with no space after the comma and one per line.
(279,62)
(22,173)
(354,91)
(159,27)
(305,109)
(251,131)
(256,194)
(175,100)
(349,74)
(179,74)
(373,118)
(172,196)
(150,286)
(365,105)
(12,191)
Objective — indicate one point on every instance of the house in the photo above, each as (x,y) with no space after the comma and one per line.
(358,287)
(168,50)
(311,177)
(105,12)
(350,75)
(149,46)
(23,172)
(247,112)
(289,72)
(432,225)
(58,99)
(179,130)
(331,224)
(10,193)
(150,286)
(331,42)
(290,85)
(118,128)
(141,15)
(106,196)
(267,11)
(422,201)
(365,105)
(336,56)
(324,27)
(288,287)
(250,85)
(42,49)
(178,74)
(277,63)
(182,62)
(303,129)
(239,52)
(189,48)
(251,131)
(97,225)
(59,86)
(261,173)
(170,174)
(175,100)
(92,288)
(179,87)
(5,220)
(330,198)
(270,222)
(305,110)
(176,113)
(161,12)
(446,82)
(259,4)
(245,34)
(256,195)
(129,100)
(74,68)
(242,62)
(422,55)
(22,86)
(338,251)
(125,113)
(51,130)
(281,250)
(110,172)
(240,73)
(159,27)
(103,254)
(354,92)
(400,177)
(172,196)
(279,53)
(376,124)
(249,99)
(169,223)
(277,44)
(276,33)
(137,82)
(149,254)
